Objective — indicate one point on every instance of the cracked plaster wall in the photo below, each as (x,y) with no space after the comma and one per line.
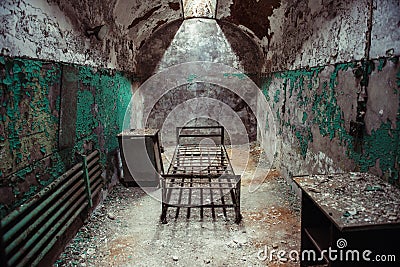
(252,17)
(314,33)
(38,29)
(316,113)
(333,85)
(298,34)
(138,20)
(385,32)
(56,30)
(191,91)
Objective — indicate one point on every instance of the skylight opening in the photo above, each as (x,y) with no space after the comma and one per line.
(199,8)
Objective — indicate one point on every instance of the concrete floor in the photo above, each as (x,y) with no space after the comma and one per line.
(125,229)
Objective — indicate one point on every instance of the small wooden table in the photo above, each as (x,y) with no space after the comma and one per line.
(347,219)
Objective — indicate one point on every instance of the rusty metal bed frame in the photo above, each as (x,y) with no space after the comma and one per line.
(200,174)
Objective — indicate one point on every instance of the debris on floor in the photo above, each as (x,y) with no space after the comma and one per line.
(125,229)
(355,198)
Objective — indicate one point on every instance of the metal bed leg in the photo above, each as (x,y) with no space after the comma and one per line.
(238,215)
(179,200)
(189,199)
(163,217)
(212,201)
(233,196)
(201,202)
(222,200)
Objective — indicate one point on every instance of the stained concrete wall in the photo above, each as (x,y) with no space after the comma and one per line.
(37,29)
(315,33)
(49,112)
(218,100)
(57,30)
(252,17)
(333,86)
(385,34)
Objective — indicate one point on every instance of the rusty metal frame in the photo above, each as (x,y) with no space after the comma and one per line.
(200,175)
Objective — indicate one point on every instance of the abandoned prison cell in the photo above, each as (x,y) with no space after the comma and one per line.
(199,133)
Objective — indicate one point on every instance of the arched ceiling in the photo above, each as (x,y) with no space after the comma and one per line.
(133,22)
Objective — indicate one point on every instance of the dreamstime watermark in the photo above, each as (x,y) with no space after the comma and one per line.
(330,254)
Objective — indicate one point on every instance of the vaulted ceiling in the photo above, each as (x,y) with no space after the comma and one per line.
(136,20)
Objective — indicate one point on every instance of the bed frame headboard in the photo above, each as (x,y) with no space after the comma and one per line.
(191,134)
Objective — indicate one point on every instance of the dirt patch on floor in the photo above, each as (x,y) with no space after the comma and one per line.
(125,229)
(269,175)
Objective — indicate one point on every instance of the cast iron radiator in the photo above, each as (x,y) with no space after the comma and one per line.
(32,231)
(200,174)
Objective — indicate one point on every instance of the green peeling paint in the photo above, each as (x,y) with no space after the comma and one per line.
(21,174)
(382,63)
(304,119)
(265,84)
(57,167)
(29,111)
(315,100)
(394,60)
(298,84)
(299,81)
(326,112)
(101,109)
(276,96)
(381,147)
(191,78)
(304,139)
(113,97)
(26,86)
(85,120)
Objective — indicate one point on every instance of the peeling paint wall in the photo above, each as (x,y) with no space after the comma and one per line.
(315,33)
(334,86)
(385,32)
(252,17)
(138,20)
(42,30)
(31,115)
(172,99)
(316,114)
(29,97)
(63,31)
